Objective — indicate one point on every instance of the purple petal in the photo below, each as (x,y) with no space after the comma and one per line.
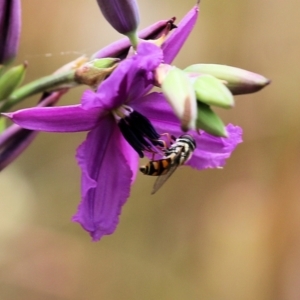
(106,178)
(155,107)
(178,36)
(10,27)
(120,48)
(130,78)
(211,151)
(71,118)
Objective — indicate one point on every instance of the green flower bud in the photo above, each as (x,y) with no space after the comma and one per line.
(179,92)
(2,124)
(94,72)
(11,79)
(212,91)
(209,121)
(237,80)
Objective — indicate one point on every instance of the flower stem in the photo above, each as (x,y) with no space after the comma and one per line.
(47,83)
(134,40)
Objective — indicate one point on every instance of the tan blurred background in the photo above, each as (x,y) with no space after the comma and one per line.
(217,234)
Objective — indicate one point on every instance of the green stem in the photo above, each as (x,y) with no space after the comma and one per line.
(134,39)
(47,83)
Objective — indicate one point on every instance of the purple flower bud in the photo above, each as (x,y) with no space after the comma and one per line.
(123,15)
(10,27)
(15,139)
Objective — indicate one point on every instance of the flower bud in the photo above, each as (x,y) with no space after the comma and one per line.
(94,72)
(123,16)
(209,121)
(237,80)
(10,80)
(10,26)
(179,92)
(14,139)
(212,91)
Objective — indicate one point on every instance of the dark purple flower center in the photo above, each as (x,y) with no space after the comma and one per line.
(137,130)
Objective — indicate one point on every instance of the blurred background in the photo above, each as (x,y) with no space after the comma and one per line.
(216,234)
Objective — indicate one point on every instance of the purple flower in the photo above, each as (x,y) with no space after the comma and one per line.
(10,26)
(117,117)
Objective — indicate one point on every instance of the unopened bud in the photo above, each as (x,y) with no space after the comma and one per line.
(95,71)
(122,15)
(237,80)
(10,28)
(209,121)
(212,91)
(179,92)
(11,79)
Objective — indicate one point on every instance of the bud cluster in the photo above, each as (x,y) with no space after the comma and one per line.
(192,92)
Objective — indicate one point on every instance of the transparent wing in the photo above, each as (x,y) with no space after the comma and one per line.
(160,181)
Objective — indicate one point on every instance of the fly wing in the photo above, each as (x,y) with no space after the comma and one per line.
(160,181)
(163,178)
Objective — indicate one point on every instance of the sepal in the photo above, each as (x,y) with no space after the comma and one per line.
(209,121)
(179,92)
(94,72)
(212,91)
(2,124)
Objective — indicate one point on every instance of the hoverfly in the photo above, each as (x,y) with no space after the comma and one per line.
(176,155)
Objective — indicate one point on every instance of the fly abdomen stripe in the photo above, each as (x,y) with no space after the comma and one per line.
(156,167)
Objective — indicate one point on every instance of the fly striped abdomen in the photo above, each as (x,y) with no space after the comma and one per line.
(156,167)
(174,156)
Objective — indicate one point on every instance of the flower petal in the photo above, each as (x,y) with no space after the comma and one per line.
(106,178)
(178,36)
(211,151)
(121,47)
(56,119)
(130,78)
(155,107)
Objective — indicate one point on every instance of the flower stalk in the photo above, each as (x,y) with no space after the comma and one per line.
(48,83)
